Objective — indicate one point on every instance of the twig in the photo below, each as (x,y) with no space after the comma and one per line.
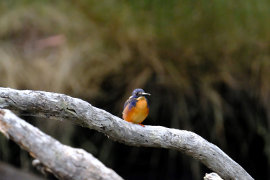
(61,160)
(60,106)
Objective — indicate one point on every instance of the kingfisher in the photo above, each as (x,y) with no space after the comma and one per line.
(136,108)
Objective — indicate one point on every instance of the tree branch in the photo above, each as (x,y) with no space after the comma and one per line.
(211,176)
(59,106)
(63,161)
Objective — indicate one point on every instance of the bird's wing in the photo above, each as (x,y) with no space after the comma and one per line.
(131,102)
(127,101)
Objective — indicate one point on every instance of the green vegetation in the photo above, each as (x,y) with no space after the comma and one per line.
(207,65)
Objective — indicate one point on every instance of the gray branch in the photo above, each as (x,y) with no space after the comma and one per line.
(212,176)
(61,160)
(60,106)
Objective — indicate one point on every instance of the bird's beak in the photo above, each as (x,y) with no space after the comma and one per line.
(146,94)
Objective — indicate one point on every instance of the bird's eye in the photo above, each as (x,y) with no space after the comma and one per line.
(138,93)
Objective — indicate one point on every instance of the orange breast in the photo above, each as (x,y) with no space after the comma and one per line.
(138,113)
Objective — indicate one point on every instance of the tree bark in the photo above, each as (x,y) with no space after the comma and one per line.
(212,176)
(61,160)
(62,107)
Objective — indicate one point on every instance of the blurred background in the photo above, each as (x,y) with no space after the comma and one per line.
(206,64)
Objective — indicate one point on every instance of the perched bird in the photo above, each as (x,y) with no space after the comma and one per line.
(136,108)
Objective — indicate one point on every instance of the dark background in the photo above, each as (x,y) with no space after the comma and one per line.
(206,64)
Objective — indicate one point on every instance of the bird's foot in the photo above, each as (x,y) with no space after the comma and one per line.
(141,125)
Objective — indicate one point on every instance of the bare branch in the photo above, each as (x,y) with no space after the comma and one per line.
(212,176)
(61,160)
(59,106)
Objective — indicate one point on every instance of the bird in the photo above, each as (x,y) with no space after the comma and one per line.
(136,108)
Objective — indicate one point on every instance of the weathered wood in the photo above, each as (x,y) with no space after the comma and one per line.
(63,161)
(212,176)
(60,106)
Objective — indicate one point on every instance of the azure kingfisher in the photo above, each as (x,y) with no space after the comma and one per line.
(136,108)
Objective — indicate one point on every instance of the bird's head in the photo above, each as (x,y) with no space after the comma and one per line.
(139,92)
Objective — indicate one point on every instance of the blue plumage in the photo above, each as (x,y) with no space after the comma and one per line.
(133,98)
(136,108)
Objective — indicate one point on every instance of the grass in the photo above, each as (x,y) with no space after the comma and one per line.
(205,59)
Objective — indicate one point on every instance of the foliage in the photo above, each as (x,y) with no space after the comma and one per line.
(207,65)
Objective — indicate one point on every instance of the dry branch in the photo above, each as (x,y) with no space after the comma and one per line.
(212,176)
(59,106)
(63,161)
